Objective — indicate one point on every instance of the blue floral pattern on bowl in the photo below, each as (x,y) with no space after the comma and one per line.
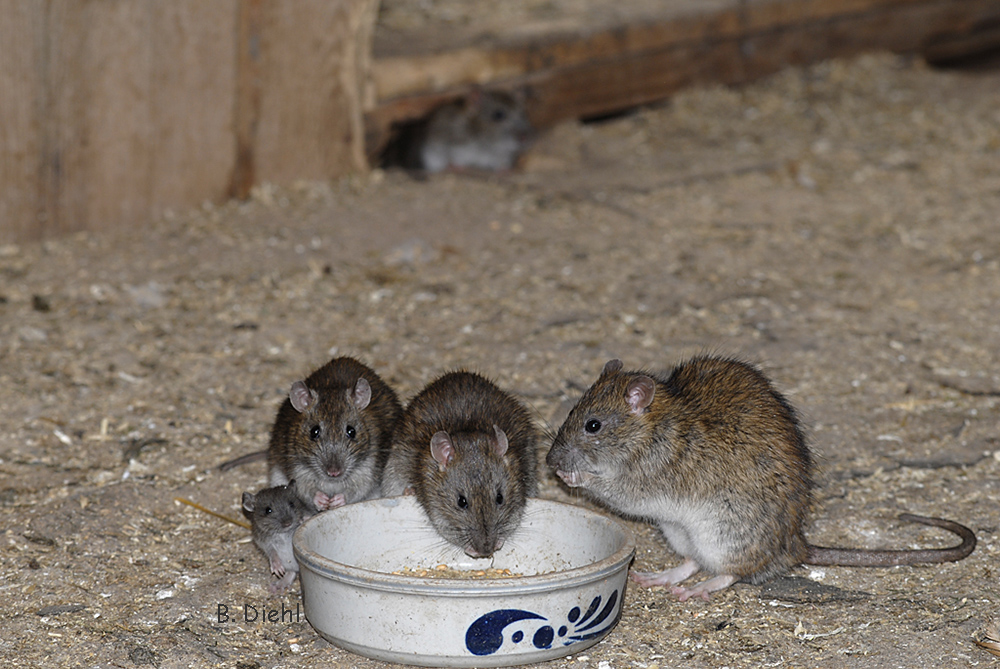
(485,635)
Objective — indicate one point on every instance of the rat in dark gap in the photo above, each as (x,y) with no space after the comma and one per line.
(485,130)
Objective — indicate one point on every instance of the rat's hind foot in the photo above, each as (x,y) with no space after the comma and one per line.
(704,588)
(649,579)
(284,583)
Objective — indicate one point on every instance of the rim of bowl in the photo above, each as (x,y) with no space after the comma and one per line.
(487,587)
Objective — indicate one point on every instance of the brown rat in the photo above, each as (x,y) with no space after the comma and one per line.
(715,456)
(468,451)
(487,130)
(274,514)
(332,434)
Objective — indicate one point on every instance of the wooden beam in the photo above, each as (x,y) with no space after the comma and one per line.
(594,70)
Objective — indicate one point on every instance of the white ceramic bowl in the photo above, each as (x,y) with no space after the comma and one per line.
(574,564)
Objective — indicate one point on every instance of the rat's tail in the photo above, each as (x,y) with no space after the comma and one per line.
(243,460)
(857,557)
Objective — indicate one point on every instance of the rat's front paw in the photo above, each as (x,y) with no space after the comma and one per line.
(323,502)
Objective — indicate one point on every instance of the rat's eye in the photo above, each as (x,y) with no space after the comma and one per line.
(462,502)
(350,432)
(314,432)
(268,511)
(499,498)
(498,115)
(592,426)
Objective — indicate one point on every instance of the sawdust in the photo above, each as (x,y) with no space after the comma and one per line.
(444,571)
(837,224)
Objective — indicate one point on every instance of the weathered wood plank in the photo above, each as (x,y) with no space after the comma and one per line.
(114,110)
(520,53)
(613,67)
(123,114)
(247,103)
(192,88)
(21,155)
(310,122)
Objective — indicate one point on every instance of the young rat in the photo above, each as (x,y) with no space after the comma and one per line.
(274,514)
(330,431)
(714,456)
(468,451)
(487,131)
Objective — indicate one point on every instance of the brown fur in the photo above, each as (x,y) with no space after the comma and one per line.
(293,454)
(466,406)
(717,459)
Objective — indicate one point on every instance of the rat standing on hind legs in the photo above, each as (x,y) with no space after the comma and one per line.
(332,434)
(714,456)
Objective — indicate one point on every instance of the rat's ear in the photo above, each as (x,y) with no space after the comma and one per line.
(611,366)
(442,450)
(640,393)
(301,397)
(362,393)
(248,504)
(501,441)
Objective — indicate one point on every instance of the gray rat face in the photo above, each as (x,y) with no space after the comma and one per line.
(485,131)
(499,113)
(333,429)
(598,440)
(470,495)
(275,510)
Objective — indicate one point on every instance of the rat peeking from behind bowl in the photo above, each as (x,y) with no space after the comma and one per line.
(332,434)
(468,451)
(274,515)
(713,455)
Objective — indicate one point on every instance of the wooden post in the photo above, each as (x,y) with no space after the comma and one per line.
(21,152)
(114,110)
(310,122)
